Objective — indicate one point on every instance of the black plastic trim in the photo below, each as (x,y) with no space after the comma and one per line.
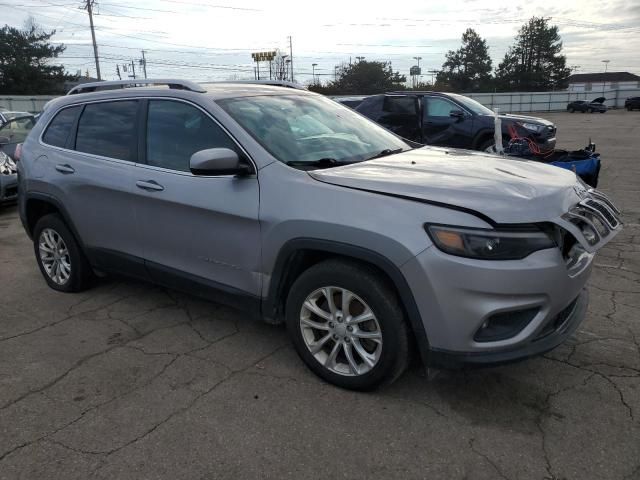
(45,197)
(203,287)
(271,303)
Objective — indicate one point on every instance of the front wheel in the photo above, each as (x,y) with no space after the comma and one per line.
(347,325)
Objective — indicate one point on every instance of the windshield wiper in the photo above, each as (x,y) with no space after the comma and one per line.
(386,152)
(321,163)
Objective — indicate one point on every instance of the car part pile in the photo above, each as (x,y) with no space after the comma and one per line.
(584,162)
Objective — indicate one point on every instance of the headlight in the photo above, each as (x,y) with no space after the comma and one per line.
(533,127)
(488,244)
(7,166)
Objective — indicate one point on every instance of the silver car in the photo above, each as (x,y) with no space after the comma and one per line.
(288,205)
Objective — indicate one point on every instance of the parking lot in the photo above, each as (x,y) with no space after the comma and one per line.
(128,380)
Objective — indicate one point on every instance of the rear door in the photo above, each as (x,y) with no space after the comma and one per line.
(196,230)
(400,115)
(91,163)
(440,127)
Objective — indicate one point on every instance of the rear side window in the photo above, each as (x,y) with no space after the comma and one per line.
(58,130)
(403,105)
(109,129)
(175,131)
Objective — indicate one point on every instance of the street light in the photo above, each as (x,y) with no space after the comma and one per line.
(604,80)
(313,69)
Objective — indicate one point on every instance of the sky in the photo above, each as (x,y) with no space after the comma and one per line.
(209,40)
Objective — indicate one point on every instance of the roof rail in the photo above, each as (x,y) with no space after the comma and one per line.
(116,84)
(272,83)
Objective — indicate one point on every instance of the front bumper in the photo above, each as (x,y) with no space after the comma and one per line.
(557,330)
(8,188)
(456,296)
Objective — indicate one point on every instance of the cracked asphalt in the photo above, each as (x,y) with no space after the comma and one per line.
(130,381)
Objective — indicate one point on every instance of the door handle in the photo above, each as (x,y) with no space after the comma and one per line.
(149,185)
(66,168)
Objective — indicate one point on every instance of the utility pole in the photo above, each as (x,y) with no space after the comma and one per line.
(604,79)
(313,75)
(291,56)
(118,72)
(133,69)
(144,65)
(89,8)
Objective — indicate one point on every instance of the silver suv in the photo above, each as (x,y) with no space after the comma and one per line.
(291,206)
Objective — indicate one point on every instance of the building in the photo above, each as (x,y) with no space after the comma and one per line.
(599,82)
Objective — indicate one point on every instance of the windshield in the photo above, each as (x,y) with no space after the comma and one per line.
(16,130)
(472,105)
(301,128)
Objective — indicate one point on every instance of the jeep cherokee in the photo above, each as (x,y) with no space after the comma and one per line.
(286,204)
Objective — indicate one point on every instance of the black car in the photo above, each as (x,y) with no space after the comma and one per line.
(595,105)
(631,103)
(451,120)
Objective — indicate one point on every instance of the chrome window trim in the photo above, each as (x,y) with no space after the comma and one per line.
(118,160)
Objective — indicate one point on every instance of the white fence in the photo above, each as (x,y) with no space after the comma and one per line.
(549,101)
(506,102)
(25,103)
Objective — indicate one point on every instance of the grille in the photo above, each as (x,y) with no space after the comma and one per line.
(603,210)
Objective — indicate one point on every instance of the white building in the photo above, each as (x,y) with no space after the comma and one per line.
(599,82)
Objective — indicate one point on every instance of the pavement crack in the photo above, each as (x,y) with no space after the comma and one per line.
(487,459)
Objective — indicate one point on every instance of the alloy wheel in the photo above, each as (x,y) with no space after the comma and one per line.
(341,331)
(54,256)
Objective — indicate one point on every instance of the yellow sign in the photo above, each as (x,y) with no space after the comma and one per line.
(263,56)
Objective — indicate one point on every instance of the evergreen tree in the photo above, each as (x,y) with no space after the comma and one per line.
(467,69)
(24,62)
(534,62)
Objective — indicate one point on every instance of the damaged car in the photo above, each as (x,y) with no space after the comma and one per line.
(298,210)
(595,105)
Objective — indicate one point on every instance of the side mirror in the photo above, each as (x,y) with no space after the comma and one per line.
(217,161)
(4,140)
(459,114)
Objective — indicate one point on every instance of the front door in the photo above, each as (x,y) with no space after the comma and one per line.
(441,127)
(196,230)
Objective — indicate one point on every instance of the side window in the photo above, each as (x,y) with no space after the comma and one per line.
(403,105)
(439,107)
(60,127)
(109,129)
(176,130)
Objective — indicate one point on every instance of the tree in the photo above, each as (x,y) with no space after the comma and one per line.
(363,78)
(280,66)
(534,62)
(468,68)
(24,62)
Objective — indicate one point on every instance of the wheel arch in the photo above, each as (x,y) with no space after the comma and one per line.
(299,254)
(38,205)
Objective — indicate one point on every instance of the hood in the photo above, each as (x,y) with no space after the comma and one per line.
(598,100)
(507,190)
(525,119)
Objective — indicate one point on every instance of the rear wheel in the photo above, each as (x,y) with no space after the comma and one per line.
(62,263)
(591,110)
(571,110)
(347,325)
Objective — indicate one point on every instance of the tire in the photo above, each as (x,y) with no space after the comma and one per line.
(602,111)
(571,110)
(629,109)
(74,274)
(388,354)
(591,110)
(485,145)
